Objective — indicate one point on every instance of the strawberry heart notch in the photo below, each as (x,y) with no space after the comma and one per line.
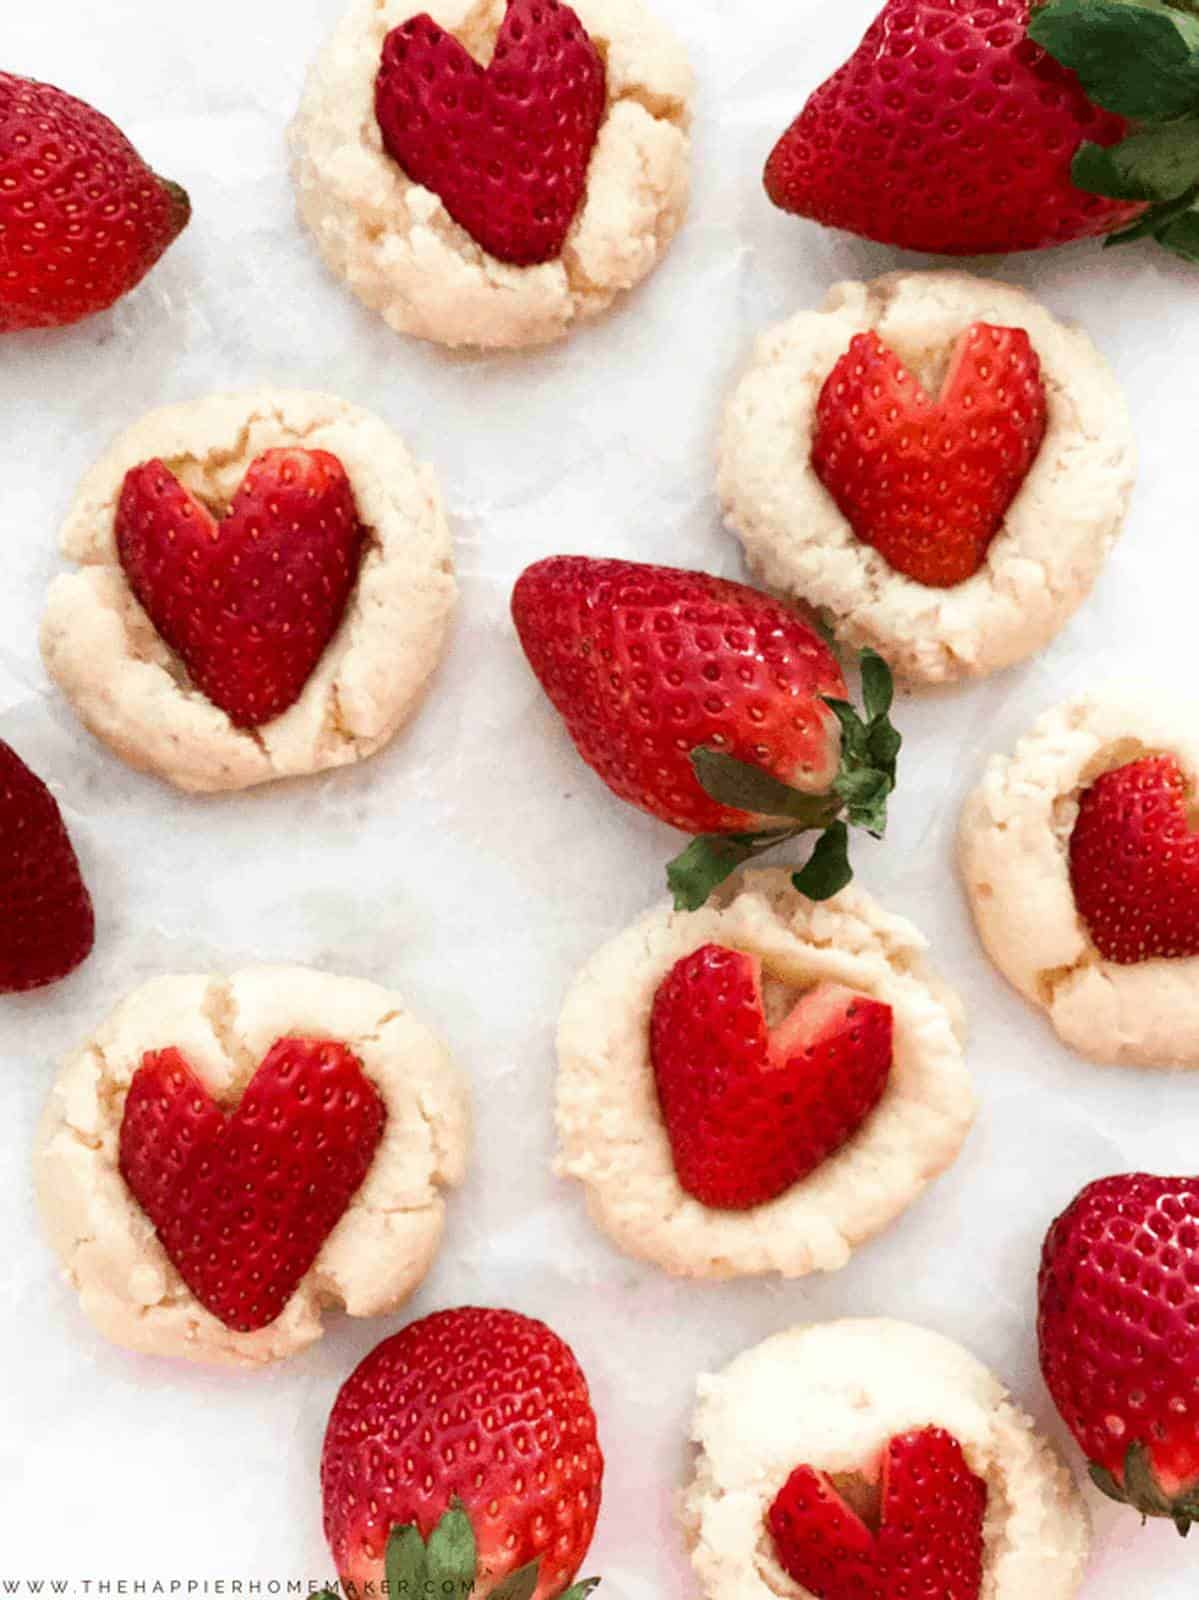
(242,1203)
(928,483)
(1134,863)
(249,601)
(929,1540)
(751,1110)
(505,147)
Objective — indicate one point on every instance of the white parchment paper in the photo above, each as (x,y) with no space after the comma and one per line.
(476,864)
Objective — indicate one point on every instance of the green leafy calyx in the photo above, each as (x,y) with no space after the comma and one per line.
(870,746)
(1140,60)
(1141,1490)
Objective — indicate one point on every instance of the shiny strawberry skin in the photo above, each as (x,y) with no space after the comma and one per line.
(751,1111)
(82,218)
(948,131)
(243,1201)
(1118,1326)
(507,147)
(926,482)
(47,925)
(929,1543)
(1134,863)
(488,1406)
(646,664)
(250,602)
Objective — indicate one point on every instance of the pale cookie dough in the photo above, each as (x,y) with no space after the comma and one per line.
(383,1245)
(130,689)
(1014,848)
(1041,565)
(612,1136)
(401,252)
(832,1397)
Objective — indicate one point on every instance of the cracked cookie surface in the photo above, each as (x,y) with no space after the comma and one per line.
(129,688)
(1014,854)
(832,1396)
(1056,536)
(397,247)
(614,1141)
(384,1243)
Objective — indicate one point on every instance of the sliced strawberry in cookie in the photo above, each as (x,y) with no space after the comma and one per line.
(1134,863)
(249,601)
(751,1110)
(242,1203)
(929,1540)
(928,483)
(506,147)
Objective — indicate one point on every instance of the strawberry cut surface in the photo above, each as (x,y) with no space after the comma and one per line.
(929,1544)
(1134,863)
(250,601)
(47,925)
(484,1406)
(1117,1329)
(928,483)
(82,218)
(506,147)
(949,130)
(243,1201)
(750,1110)
(646,664)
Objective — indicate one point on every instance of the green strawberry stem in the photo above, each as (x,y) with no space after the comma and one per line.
(1142,1491)
(858,797)
(1140,60)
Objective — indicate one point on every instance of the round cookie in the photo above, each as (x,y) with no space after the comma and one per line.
(1058,531)
(398,248)
(832,1397)
(1014,845)
(386,1239)
(130,689)
(611,1132)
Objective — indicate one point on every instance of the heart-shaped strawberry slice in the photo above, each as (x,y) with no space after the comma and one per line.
(242,1203)
(1134,863)
(249,602)
(751,1110)
(928,483)
(930,1536)
(506,147)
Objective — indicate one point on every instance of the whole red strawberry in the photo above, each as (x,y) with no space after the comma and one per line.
(506,147)
(929,1542)
(249,602)
(712,707)
(1134,863)
(1118,1327)
(82,218)
(949,130)
(749,1109)
(929,482)
(243,1201)
(472,1429)
(47,926)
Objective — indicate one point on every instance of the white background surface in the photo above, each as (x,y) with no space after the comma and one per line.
(476,864)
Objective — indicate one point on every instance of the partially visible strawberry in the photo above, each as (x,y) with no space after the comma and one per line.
(471,1430)
(506,147)
(82,218)
(1134,863)
(926,482)
(251,601)
(712,707)
(47,926)
(242,1202)
(929,1544)
(1118,1328)
(751,1110)
(949,131)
